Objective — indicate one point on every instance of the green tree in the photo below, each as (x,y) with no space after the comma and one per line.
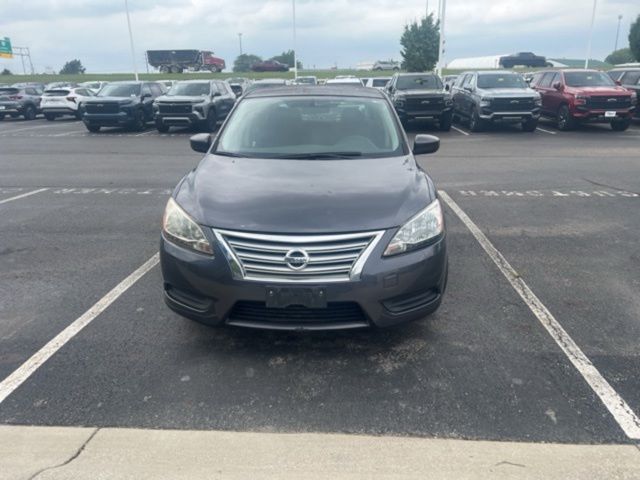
(622,55)
(6,71)
(243,62)
(287,59)
(420,43)
(72,67)
(634,39)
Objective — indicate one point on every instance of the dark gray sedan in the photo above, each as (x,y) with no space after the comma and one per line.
(308,211)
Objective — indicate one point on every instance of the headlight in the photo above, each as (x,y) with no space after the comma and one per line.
(634,98)
(414,234)
(581,99)
(448,101)
(399,101)
(179,228)
(537,101)
(485,102)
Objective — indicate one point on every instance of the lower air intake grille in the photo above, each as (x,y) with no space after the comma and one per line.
(345,313)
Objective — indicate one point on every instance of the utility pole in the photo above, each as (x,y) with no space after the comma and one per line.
(593,18)
(295,59)
(617,33)
(133,52)
(240,40)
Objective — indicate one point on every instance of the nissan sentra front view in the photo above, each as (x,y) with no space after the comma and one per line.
(308,211)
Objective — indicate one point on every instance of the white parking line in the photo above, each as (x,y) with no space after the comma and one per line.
(145,133)
(46,125)
(460,130)
(622,413)
(23,195)
(546,131)
(66,134)
(22,373)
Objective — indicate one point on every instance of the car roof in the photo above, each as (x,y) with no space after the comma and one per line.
(317,91)
(197,80)
(625,69)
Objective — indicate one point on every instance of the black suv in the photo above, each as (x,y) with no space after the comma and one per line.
(122,104)
(495,96)
(629,78)
(420,95)
(16,101)
(201,103)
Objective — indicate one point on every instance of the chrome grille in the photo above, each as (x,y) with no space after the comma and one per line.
(329,258)
(175,107)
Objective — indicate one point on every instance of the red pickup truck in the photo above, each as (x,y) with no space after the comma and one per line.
(575,96)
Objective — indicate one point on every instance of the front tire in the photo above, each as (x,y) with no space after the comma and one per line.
(93,128)
(50,117)
(139,124)
(162,128)
(475,122)
(445,122)
(211,122)
(564,119)
(530,125)
(620,125)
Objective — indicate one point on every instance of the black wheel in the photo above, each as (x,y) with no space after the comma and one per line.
(529,125)
(164,69)
(93,128)
(50,116)
(78,113)
(564,119)
(162,128)
(211,122)
(139,123)
(29,112)
(445,122)
(620,125)
(475,122)
(455,118)
(173,69)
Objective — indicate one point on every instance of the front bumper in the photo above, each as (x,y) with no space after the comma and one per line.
(108,119)
(491,116)
(11,108)
(408,114)
(598,116)
(59,110)
(177,119)
(390,291)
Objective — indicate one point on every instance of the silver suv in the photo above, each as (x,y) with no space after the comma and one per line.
(386,65)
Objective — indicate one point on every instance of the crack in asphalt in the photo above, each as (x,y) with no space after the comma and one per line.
(69,460)
(609,186)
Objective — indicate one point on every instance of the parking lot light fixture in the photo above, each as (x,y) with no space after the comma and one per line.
(295,60)
(593,17)
(133,52)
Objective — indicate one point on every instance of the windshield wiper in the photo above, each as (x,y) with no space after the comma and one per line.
(320,155)
(222,153)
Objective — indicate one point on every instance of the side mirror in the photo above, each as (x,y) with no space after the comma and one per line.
(528,80)
(619,83)
(146,95)
(200,142)
(447,87)
(216,94)
(469,89)
(558,86)
(424,144)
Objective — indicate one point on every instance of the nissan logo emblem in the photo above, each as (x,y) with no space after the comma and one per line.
(296,259)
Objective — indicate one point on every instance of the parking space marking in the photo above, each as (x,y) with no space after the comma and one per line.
(619,409)
(23,195)
(546,131)
(144,133)
(460,130)
(22,373)
(66,134)
(46,125)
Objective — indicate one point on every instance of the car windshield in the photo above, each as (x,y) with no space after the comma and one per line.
(56,93)
(306,80)
(495,80)
(190,89)
(588,79)
(120,90)
(258,86)
(311,128)
(418,82)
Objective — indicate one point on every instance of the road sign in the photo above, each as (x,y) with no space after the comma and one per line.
(5,48)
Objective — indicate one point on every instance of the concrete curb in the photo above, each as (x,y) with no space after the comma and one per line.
(82,453)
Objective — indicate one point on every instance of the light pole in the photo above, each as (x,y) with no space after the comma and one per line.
(617,33)
(240,39)
(133,52)
(441,16)
(593,18)
(295,60)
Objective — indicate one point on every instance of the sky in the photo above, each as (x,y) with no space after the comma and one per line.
(329,32)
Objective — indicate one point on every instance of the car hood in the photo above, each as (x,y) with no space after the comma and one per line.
(181,98)
(304,196)
(507,92)
(598,90)
(416,93)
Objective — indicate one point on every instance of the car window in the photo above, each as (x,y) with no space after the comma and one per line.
(616,75)
(418,82)
(501,80)
(379,82)
(631,78)
(145,89)
(588,79)
(31,91)
(545,80)
(55,93)
(460,80)
(190,89)
(302,127)
(156,89)
(120,90)
(222,88)
(467,80)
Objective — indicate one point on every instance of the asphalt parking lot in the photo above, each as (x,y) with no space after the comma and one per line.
(80,212)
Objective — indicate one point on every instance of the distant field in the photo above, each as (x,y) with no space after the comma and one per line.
(182,76)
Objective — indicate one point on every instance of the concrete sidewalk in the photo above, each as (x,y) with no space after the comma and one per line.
(65,453)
